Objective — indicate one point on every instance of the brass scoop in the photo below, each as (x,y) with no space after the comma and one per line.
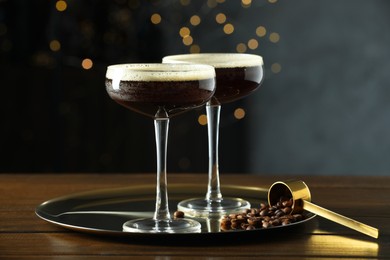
(300,193)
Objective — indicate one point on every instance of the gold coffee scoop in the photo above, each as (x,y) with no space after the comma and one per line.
(300,193)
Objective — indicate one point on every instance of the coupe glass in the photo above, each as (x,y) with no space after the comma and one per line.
(161,91)
(238,75)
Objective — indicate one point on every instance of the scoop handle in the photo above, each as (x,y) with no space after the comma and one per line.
(340,219)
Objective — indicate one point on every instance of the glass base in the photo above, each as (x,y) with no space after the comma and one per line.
(200,207)
(161,226)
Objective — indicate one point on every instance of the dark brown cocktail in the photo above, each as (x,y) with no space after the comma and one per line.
(236,83)
(161,91)
(146,97)
(238,75)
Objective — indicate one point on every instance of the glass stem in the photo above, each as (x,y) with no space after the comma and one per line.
(213,189)
(161,126)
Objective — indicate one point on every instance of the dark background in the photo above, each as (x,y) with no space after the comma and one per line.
(326,111)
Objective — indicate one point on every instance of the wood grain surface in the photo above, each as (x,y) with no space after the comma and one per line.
(24,236)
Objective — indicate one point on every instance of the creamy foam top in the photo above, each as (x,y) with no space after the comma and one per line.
(218,60)
(159,72)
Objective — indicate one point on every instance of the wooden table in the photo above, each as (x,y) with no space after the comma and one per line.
(24,236)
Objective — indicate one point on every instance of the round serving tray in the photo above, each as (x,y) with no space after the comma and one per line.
(103,212)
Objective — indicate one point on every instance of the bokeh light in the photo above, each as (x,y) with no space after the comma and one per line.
(55,45)
(61,5)
(276,67)
(188,40)
(87,64)
(195,48)
(274,37)
(184,32)
(211,3)
(239,113)
(195,20)
(220,18)
(246,3)
(261,31)
(185,2)
(155,18)
(202,119)
(228,28)
(253,44)
(241,47)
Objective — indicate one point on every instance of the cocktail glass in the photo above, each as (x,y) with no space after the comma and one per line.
(238,75)
(161,91)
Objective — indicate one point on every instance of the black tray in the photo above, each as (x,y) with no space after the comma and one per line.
(103,212)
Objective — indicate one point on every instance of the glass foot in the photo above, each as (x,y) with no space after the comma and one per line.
(200,207)
(160,226)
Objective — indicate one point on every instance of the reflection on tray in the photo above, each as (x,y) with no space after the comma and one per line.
(104,211)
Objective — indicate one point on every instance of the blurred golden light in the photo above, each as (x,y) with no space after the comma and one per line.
(42,58)
(239,113)
(220,1)
(261,31)
(155,18)
(272,1)
(274,37)
(276,67)
(195,48)
(211,3)
(55,45)
(202,119)
(355,247)
(185,2)
(220,18)
(253,44)
(246,3)
(61,5)
(195,20)
(87,64)
(228,28)
(188,40)
(184,32)
(241,47)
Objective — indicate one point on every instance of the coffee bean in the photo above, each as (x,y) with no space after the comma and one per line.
(287,203)
(241,216)
(249,227)
(298,217)
(178,214)
(233,215)
(263,206)
(254,221)
(287,210)
(264,217)
(264,213)
(247,211)
(266,224)
(275,222)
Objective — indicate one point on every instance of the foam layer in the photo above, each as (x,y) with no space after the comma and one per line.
(218,60)
(159,72)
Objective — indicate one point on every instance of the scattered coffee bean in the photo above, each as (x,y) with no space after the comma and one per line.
(249,227)
(178,214)
(265,216)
